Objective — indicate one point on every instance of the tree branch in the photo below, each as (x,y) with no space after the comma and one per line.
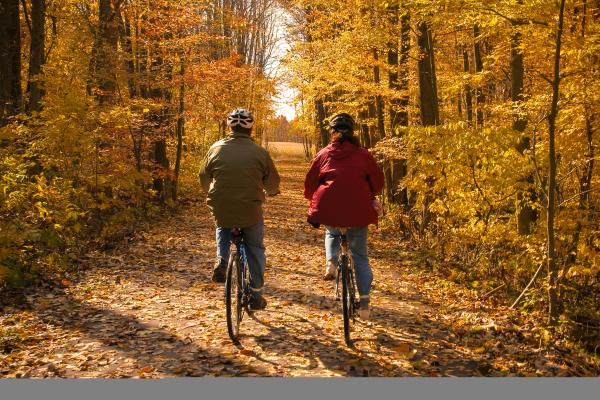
(24,3)
(528,285)
(518,21)
(54,35)
(575,196)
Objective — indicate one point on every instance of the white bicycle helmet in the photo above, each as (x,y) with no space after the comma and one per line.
(240,117)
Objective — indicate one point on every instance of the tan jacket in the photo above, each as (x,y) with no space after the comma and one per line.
(235,174)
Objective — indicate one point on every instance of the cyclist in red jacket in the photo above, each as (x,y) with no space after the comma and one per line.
(341,185)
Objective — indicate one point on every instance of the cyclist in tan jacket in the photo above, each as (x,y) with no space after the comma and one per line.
(235,175)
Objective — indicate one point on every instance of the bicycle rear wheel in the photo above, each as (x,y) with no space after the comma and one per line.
(347,301)
(234,293)
(353,301)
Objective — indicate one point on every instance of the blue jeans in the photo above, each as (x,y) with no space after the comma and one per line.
(255,250)
(357,242)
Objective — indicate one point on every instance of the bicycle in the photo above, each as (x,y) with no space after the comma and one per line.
(237,285)
(347,274)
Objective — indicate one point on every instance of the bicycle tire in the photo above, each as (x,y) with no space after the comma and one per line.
(346,301)
(233,297)
(352,288)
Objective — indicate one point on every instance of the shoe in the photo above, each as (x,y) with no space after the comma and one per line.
(364,311)
(257,301)
(219,271)
(330,271)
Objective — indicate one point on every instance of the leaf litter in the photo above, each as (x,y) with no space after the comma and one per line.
(148,309)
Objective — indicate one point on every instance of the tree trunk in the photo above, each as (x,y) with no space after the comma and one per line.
(553,300)
(10,56)
(479,96)
(427,80)
(429,106)
(372,115)
(467,88)
(404,68)
(585,186)
(35,89)
(105,63)
(321,114)
(129,61)
(161,183)
(364,128)
(392,59)
(400,168)
(526,214)
(180,129)
(398,73)
(395,169)
(226,21)
(378,103)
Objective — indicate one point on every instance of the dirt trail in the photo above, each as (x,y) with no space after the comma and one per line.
(149,309)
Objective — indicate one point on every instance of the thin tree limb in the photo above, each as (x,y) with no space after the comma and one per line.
(575,196)
(24,3)
(54,35)
(493,291)
(528,285)
(518,21)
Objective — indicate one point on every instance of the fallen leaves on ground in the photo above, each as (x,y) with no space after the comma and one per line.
(147,309)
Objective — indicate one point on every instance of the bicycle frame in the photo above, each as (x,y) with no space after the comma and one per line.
(237,239)
(344,252)
(236,300)
(346,273)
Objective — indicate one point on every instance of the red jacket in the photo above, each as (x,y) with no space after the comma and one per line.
(341,184)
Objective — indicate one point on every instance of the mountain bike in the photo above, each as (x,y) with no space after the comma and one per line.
(237,285)
(347,275)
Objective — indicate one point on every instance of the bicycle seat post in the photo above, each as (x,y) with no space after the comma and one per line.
(344,239)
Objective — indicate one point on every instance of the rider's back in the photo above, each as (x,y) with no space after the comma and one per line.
(341,185)
(235,172)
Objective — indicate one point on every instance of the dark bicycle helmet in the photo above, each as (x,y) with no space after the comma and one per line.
(342,122)
(240,117)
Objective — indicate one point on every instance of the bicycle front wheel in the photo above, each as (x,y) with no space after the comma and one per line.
(233,296)
(346,300)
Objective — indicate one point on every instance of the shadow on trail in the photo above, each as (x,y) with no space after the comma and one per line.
(320,350)
(403,325)
(153,348)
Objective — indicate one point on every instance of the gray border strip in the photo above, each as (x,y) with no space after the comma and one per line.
(305,388)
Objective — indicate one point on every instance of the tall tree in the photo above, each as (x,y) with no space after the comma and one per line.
(378,100)
(398,81)
(554,306)
(526,214)
(429,105)
(404,68)
(479,96)
(321,115)
(467,87)
(35,89)
(10,56)
(105,60)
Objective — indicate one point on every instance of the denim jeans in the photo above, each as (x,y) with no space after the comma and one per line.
(357,242)
(255,250)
